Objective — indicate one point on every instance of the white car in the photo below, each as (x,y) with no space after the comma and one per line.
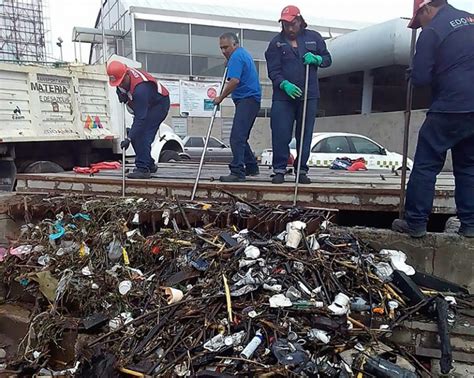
(167,146)
(326,147)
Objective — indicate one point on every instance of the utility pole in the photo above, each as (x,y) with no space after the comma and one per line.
(59,43)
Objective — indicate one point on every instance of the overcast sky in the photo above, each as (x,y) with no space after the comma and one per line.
(65,14)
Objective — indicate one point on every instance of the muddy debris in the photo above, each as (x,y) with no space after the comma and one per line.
(141,287)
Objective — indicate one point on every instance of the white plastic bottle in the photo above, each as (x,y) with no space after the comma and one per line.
(252,346)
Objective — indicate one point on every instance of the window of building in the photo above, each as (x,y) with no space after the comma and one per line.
(262,113)
(159,36)
(140,25)
(257,67)
(164,63)
(127,47)
(205,39)
(390,89)
(341,94)
(208,66)
(256,42)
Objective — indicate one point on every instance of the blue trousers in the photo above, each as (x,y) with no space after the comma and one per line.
(246,111)
(143,138)
(442,132)
(283,118)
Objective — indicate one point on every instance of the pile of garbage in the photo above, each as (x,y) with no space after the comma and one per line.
(141,287)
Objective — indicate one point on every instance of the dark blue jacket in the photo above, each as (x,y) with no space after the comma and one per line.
(444,59)
(144,98)
(286,63)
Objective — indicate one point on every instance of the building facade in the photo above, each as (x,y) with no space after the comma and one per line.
(177,41)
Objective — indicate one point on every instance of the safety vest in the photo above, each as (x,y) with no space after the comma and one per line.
(137,77)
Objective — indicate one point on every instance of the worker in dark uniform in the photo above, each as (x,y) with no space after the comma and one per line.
(287,57)
(244,85)
(149,101)
(444,59)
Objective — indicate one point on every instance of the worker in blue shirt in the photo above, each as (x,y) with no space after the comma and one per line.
(287,56)
(444,59)
(244,85)
(149,101)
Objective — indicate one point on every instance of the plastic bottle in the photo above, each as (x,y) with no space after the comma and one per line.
(252,346)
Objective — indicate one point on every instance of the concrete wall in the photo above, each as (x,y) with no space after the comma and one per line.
(448,256)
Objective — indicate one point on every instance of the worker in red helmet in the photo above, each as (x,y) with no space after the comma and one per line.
(150,103)
(287,56)
(444,60)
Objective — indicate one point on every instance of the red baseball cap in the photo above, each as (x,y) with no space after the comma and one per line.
(414,22)
(289,13)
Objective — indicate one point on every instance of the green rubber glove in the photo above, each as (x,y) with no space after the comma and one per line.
(310,58)
(290,89)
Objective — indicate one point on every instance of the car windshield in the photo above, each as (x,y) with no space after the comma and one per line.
(293,144)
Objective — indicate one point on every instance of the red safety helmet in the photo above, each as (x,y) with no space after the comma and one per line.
(289,13)
(116,71)
(414,22)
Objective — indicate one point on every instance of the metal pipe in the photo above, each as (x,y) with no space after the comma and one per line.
(303,124)
(379,45)
(104,41)
(406,135)
(124,157)
(134,42)
(208,135)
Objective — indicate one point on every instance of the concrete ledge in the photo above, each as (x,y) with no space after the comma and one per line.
(448,256)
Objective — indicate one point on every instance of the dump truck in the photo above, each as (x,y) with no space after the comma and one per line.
(55,118)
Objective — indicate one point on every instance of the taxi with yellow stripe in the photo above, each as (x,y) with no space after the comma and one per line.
(326,147)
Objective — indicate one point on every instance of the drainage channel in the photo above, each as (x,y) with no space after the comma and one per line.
(330,260)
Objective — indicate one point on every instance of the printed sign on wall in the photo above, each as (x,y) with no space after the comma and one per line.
(196,98)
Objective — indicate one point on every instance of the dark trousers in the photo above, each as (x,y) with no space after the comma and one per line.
(442,132)
(246,111)
(143,138)
(284,115)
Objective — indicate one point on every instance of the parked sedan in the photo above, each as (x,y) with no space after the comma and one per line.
(326,147)
(217,151)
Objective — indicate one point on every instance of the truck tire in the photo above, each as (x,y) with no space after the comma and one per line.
(42,166)
(169,156)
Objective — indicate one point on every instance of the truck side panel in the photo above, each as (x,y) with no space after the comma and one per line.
(52,104)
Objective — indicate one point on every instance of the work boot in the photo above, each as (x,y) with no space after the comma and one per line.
(252,172)
(466,232)
(304,179)
(153,168)
(139,174)
(231,178)
(279,178)
(401,226)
